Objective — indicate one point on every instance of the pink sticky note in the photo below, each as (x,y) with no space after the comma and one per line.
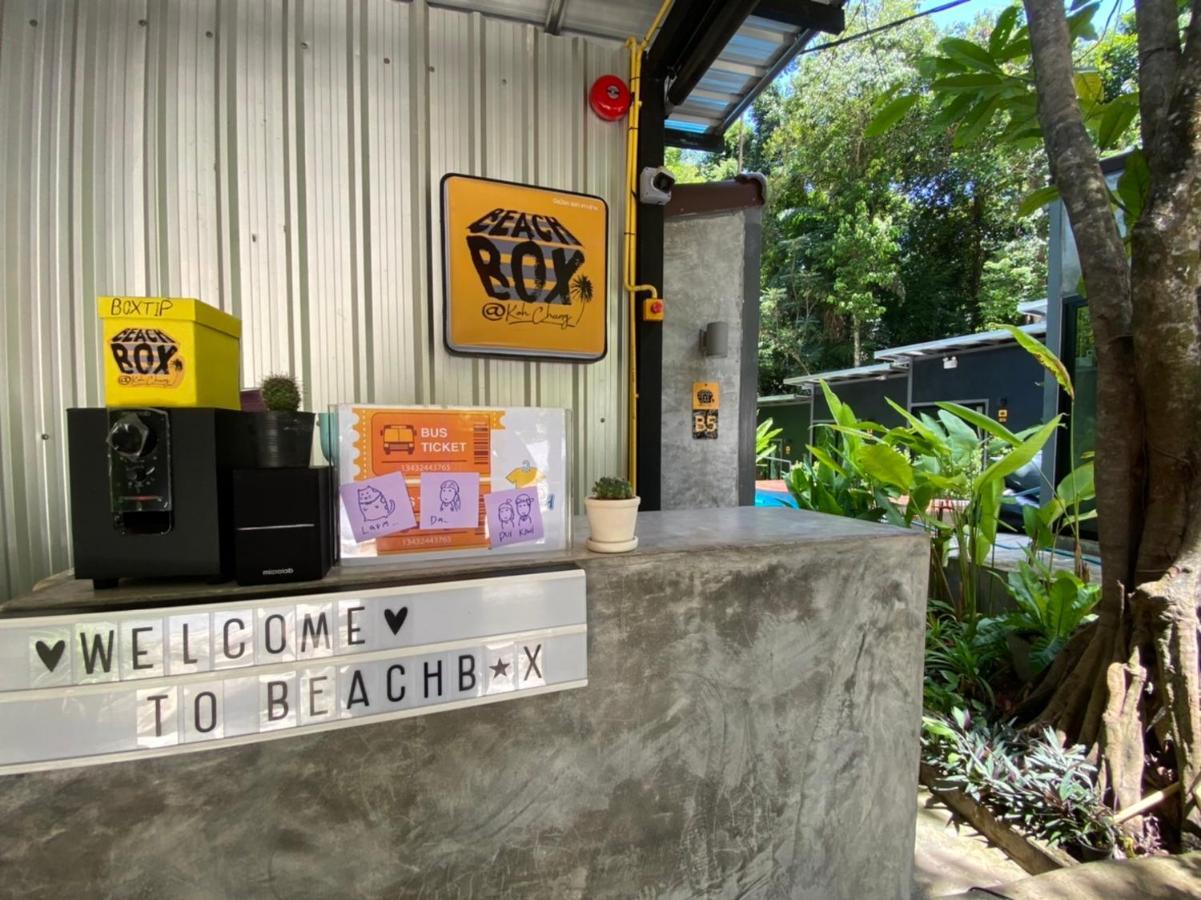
(378,506)
(450,500)
(513,516)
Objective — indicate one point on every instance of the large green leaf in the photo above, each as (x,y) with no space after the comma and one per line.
(1077,486)
(890,114)
(968,53)
(886,465)
(1036,200)
(1046,358)
(914,422)
(1133,186)
(840,411)
(988,510)
(983,422)
(1017,48)
(1017,457)
(975,122)
(1061,608)
(962,437)
(891,513)
(950,113)
(976,82)
(1116,118)
(1090,90)
(1002,30)
(1035,528)
(826,460)
(1080,23)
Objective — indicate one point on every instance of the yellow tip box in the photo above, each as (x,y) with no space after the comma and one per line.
(167,351)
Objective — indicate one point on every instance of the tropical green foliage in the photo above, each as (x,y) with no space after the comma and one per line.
(960,663)
(983,89)
(834,479)
(765,439)
(1050,607)
(870,238)
(1047,790)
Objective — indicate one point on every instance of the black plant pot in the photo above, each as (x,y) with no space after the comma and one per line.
(283,440)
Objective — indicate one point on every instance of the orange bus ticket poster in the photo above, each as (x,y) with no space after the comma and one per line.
(413,441)
(453,449)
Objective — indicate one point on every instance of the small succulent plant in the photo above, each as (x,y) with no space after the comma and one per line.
(280,393)
(612,488)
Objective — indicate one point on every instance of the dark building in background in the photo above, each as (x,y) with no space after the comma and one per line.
(986,371)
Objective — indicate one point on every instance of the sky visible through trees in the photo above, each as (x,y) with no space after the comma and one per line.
(874,240)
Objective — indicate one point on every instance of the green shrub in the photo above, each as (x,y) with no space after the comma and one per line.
(1050,609)
(1047,790)
(960,664)
(835,481)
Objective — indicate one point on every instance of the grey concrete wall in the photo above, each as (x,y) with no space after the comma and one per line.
(750,729)
(704,270)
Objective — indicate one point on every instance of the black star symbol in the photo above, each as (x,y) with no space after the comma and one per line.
(501,669)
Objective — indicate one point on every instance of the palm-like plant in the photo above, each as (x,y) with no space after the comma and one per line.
(581,288)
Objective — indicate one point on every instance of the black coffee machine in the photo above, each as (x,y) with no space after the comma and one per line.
(151,491)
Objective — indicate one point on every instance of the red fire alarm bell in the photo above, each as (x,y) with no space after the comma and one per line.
(652,309)
(609,98)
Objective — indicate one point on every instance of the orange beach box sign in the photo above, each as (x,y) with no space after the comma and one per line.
(524,270)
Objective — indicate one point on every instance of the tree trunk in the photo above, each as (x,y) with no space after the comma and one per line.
(856,354)
(1142,656)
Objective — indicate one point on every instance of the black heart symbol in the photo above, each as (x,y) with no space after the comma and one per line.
(50,655)
(396,619)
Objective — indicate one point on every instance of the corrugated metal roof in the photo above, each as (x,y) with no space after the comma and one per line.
(1035,309)
(752,58)
(779,399)
(756,53)
(608,19)
(958,342)
(876,371)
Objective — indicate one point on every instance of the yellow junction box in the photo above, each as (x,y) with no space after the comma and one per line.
(168,351)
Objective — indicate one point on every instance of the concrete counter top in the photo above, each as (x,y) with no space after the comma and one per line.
(749,728)
(698,532)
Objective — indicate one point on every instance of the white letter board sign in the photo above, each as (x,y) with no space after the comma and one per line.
(111,686)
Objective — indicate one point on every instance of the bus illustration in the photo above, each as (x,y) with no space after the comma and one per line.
(399,439)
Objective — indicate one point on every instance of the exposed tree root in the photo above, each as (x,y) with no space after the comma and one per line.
(1171,602)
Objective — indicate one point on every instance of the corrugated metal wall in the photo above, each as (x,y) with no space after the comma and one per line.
(279,159)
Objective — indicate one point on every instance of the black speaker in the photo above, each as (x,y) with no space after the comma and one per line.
(151,491)
(283,524)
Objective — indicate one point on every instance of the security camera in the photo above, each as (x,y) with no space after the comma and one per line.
(654,186)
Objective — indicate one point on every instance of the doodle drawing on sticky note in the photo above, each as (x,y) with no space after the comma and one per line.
(378,506)
(449,500)
(514,517)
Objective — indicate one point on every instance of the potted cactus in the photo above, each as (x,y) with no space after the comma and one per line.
(612,516)
(283,434)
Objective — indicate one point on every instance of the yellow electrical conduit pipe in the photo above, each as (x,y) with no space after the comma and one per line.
(637,49)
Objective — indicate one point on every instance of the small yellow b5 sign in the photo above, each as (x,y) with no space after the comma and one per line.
(524,270)
(168,351)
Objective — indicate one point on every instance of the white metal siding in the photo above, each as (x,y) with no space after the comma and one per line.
(280,159)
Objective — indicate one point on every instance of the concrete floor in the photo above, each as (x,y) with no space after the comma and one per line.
(951,857)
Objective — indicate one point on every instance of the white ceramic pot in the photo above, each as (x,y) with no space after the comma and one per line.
(612,521)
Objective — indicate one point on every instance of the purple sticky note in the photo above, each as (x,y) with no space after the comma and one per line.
(449,500)
(378,506)
(513,517)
